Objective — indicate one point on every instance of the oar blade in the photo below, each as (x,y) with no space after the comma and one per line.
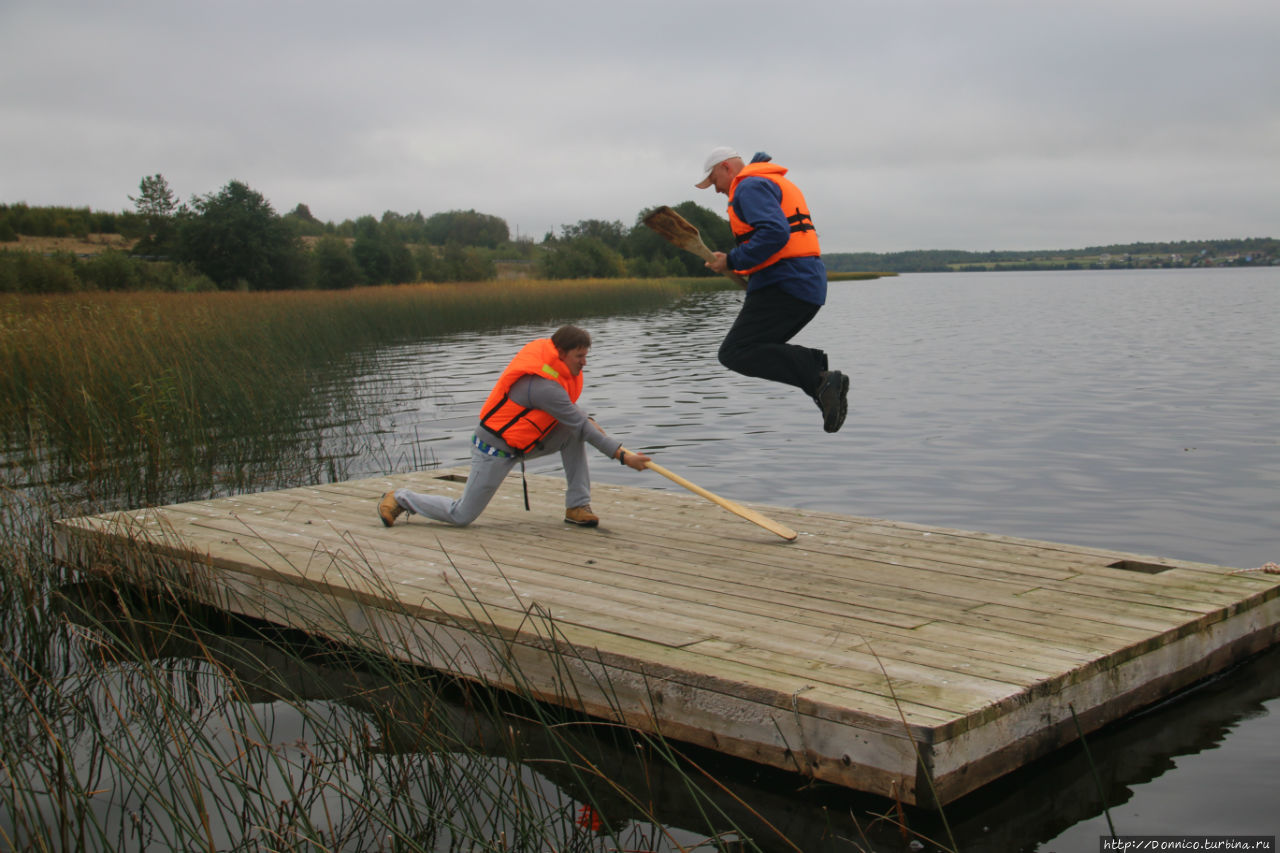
(677,231)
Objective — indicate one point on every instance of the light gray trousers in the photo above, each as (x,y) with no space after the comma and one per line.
(488,472)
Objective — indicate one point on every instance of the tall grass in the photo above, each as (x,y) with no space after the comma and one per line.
(133,722)
(173,395)
(135,719)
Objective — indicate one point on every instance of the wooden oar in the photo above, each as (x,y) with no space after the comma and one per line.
(679,232)
(736,508)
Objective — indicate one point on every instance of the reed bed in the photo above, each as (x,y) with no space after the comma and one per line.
(135,719)
(173,395)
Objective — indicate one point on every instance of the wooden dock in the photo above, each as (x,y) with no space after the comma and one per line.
(903,660)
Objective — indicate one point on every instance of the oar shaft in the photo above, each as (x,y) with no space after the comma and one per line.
(693,487)
(736,508)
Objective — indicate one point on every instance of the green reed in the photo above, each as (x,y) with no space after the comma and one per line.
(133,722)
(138,719)
(158,395)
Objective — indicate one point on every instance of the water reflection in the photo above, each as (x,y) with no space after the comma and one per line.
(1057,796)
(338,741)
(1133,411)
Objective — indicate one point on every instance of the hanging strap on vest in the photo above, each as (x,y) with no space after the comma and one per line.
(490,450)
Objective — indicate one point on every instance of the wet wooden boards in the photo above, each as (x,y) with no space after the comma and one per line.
(913,662)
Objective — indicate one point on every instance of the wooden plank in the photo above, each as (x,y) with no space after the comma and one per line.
(837,655)
(585,600)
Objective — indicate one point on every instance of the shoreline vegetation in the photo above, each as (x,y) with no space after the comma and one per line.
(234,240)
(135,719)
(1167,255)
(150,391)
(138,719)
(128,723)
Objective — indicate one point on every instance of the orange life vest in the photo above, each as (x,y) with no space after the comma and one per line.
(519,426)
(804,239)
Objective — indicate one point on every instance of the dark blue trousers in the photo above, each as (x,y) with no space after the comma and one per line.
(758,342)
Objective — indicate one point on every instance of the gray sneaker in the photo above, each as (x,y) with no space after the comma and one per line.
(832,397)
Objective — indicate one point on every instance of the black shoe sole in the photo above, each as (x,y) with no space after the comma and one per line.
(833,420)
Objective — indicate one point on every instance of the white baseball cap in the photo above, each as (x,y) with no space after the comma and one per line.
(715,158)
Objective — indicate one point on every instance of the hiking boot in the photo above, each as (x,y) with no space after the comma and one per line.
(832,397)
(388,509)
(581,516)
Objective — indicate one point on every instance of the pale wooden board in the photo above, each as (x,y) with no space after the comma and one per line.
(860,622)
(846,637)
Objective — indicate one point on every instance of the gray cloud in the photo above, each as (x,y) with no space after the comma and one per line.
(908,124)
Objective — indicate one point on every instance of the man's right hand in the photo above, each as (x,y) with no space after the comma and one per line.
(634,460)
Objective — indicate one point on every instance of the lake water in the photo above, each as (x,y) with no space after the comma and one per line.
(1126,409)
(1129,410)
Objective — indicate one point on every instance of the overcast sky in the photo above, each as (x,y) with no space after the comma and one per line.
(967,124)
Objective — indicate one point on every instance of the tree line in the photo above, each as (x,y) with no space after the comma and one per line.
(233,239)
(1254,251)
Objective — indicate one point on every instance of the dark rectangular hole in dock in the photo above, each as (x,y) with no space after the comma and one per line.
(1135,566)
(453,478)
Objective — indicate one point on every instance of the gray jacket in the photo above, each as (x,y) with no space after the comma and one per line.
(537,392)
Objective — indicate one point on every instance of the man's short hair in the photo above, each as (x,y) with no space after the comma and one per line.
(568,338)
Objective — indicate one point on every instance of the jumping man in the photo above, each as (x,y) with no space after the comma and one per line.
(787,282)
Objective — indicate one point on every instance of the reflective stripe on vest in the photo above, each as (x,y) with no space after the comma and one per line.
(804,238)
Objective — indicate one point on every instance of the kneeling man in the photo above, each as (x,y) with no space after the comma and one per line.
(532,411)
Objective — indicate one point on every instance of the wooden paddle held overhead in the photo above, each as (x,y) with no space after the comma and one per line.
(679,232)
(736,508)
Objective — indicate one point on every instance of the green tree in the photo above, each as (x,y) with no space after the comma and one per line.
(466,227)
(29,272)
(237,239)
(381,253)
(401,266)
(643,244)
(370,251)
(430,267)
(581,257)
(465,263)
(303,212)
(111,270)
(304,222)
(159,209)
(612,234)
(335,267)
